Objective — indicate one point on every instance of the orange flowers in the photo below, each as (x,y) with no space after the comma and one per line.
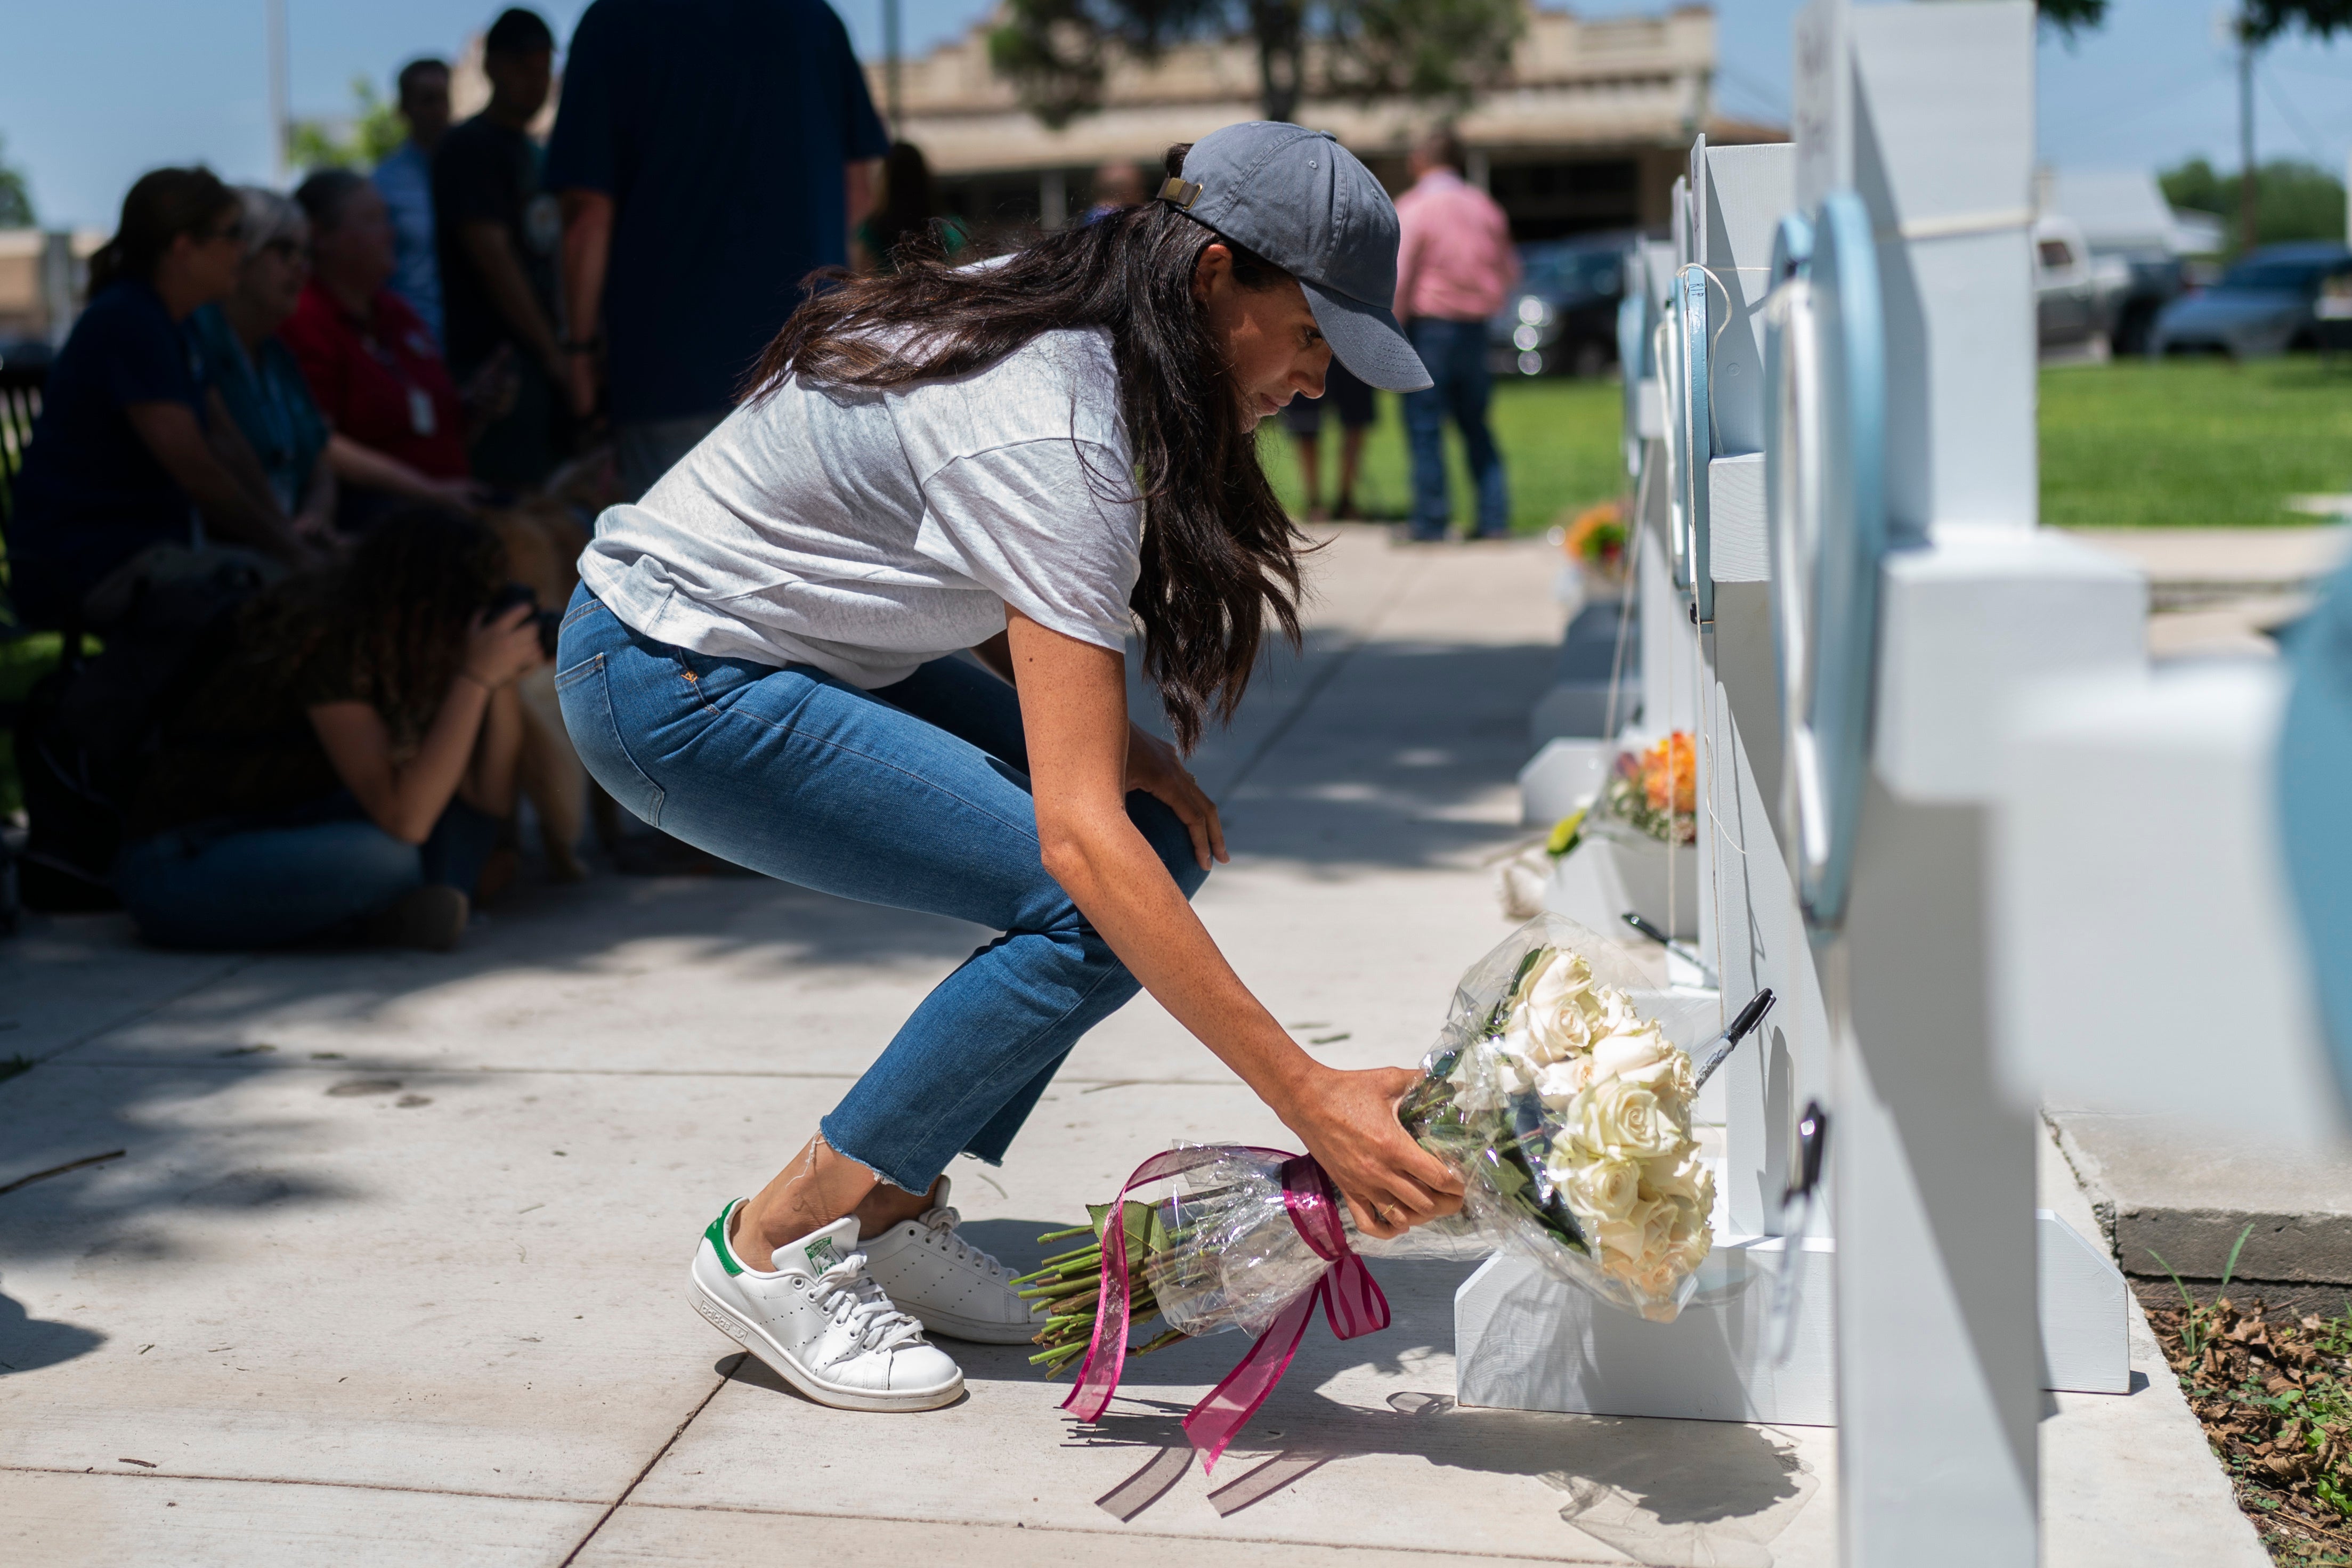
(1655,789)
(1596,538)
(1670,774)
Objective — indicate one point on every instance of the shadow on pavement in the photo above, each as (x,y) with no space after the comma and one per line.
(1371,760)
(28,1343)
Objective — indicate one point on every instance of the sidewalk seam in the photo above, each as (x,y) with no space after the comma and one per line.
(668,1442)
(135,1014)
(165,1475)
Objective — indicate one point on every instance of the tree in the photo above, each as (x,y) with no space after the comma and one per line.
(16,195)
(1057,53)
(2072,16)
(2293,200)
(2259,22)
(373,131)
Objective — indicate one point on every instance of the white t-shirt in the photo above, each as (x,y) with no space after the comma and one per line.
(865,532)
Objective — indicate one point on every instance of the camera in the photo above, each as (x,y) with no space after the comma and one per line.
(547,620)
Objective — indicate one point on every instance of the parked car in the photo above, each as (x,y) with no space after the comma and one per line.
(1563,320)
(2156,280)
(2265,304)
(2078,297)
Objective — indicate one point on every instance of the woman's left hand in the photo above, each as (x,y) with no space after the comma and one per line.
(1154,767)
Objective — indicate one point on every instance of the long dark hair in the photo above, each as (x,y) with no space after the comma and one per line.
(1220,553)
(164,204)
(398,607)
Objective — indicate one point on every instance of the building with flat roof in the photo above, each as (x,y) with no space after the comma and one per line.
(1586,132)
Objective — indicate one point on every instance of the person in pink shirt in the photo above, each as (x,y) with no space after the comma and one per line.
(1455,266)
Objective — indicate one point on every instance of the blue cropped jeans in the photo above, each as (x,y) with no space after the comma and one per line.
(915,796)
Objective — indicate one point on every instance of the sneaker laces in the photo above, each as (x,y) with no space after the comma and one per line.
(942,1223)
(860,1304)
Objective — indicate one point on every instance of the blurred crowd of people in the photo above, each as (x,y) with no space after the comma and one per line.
(310,463)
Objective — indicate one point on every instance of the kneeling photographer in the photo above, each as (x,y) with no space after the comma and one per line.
(342,767)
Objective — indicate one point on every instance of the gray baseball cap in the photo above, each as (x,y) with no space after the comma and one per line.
(1303,202)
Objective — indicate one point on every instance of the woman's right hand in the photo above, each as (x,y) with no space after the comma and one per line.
(501,649)
(1348,1122)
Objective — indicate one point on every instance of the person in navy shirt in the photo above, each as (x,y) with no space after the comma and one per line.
(709,155)
(121,458)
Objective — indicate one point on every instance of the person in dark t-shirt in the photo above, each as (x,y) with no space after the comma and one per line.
(497,233)
(710,154)
(121,458)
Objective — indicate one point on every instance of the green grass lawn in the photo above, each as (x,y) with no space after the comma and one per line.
(2192,444)
(1560,448)
(2180,443)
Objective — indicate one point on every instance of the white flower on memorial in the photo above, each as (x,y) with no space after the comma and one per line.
(1570,1112)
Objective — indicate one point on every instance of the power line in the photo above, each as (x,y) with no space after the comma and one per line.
(2279,101)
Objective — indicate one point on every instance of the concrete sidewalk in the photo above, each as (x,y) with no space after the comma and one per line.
(391,1269)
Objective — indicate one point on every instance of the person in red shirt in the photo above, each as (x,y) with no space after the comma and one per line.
(1455,267)
(399,423)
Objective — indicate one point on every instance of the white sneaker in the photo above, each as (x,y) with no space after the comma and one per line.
(821,1321)
(955,1288)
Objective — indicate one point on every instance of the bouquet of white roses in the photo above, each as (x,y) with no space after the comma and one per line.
(1565,1108)
(1568,1113)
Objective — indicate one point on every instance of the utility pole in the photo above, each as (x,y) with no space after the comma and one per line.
(2248,203)
(890,69)
(281,130)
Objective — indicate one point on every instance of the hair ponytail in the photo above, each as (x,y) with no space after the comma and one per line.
(164,204)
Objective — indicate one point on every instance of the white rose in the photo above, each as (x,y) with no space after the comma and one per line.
(1558,1083)
(1613,1012)
(1642,1229)
(1562,1033)
(1604,1191)
(1556,976)
(1548,1011)
(1685,1178)
(1513,1074)
(1620,1121)
(1646,1058)
(1628,1051)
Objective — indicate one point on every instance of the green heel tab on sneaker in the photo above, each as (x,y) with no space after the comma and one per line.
(717,1236)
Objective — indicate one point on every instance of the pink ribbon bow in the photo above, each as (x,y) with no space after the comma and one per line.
(1351,1298)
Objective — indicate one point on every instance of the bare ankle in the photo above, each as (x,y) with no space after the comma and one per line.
(887,1205)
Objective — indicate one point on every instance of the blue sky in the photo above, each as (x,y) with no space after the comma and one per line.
(93,92)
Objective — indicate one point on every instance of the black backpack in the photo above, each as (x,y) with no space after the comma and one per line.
(89,729)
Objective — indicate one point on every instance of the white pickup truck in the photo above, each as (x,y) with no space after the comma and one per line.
(2076,295)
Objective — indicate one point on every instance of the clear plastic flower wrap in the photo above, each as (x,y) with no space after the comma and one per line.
(1235,1257)
(1558,1093)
